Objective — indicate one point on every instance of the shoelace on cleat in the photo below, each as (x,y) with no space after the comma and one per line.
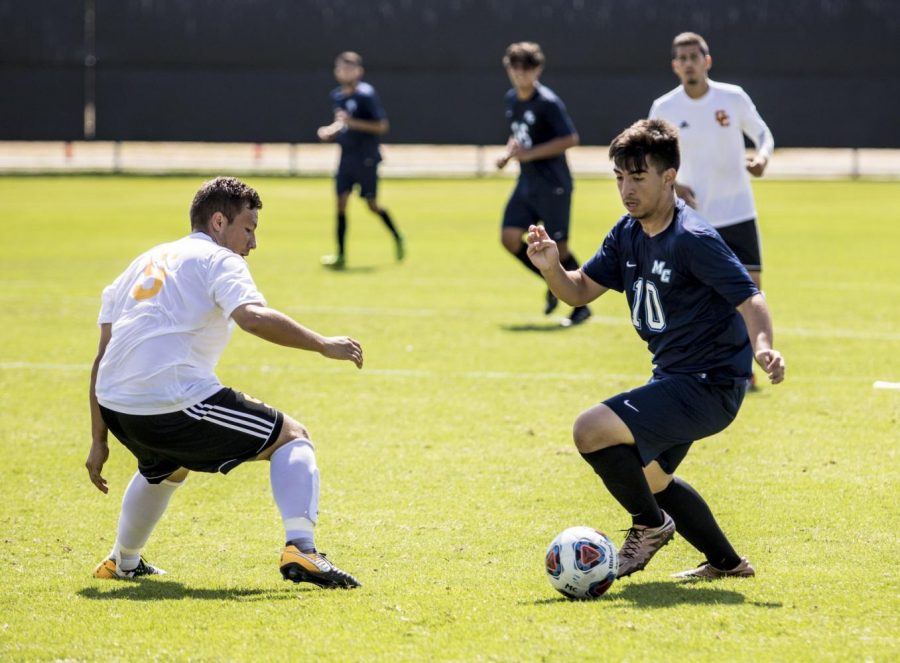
(632,542)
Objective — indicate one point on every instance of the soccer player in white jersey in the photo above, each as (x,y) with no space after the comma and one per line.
(712,119)
(164,322)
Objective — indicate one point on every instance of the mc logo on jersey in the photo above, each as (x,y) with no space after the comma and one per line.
(659,267)
(529,117)
(722,118)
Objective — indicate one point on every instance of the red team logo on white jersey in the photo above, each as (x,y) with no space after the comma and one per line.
(722,118)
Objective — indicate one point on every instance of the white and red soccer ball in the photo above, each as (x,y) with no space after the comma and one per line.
(581,563)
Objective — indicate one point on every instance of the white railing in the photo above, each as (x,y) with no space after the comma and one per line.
(400,160)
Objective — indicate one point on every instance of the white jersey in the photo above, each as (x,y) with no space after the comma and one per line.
(171,320)
(711,135)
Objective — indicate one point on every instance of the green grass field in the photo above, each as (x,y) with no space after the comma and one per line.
(447,465)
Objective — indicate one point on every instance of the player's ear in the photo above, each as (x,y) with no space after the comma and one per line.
(708,62)
(669,176)
(216,221)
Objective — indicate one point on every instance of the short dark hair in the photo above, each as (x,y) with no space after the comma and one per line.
(643,142)
(349,57)
(690,39)
(227,195)
(525,54)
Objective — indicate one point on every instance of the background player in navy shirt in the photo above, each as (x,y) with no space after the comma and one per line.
(703,319)
(540,133)
(359,120)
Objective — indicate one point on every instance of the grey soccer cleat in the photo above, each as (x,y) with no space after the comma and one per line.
(707,571)
(642,543)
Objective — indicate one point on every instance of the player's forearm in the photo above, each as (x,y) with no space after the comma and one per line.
(99,430)
(570,287)
(549,149)
(377,127)
(276,327)
(755,313)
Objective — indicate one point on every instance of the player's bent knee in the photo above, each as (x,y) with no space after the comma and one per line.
(290,430)
(179,475)
(599,428)
(588,434)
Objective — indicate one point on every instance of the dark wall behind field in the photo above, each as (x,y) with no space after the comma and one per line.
(822,72)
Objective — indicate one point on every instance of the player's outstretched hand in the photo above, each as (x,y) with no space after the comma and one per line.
(95,461)
(343,348)
(542,251)
(772,363)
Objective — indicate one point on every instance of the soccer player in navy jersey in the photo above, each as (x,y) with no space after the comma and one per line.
(359,120)
(540,133)
(703,319)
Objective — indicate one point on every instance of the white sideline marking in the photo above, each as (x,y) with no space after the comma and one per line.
(881,384)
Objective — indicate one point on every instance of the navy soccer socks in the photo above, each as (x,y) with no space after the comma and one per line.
(695,522)
(620,469)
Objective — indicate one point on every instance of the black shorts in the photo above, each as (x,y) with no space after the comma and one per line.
(363,172)
(551,207)
(668,414)
(743,239)
(215,435)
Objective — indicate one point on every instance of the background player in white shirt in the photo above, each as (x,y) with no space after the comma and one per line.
(712,119)
(164,322)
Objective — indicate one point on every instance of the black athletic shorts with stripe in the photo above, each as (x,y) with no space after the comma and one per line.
(215,435)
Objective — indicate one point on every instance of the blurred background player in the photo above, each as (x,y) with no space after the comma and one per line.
(164,322)
(703,319)
(540,133)
(712,119)
(359,120)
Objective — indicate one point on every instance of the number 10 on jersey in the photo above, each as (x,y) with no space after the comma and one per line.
(646,293)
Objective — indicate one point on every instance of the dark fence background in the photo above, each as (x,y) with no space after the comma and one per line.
(822,72)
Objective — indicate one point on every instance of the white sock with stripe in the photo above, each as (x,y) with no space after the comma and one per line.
(142,506)
(295,486)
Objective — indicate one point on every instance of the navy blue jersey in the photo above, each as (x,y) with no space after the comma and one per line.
(682,287)
(532,122)
(361,104)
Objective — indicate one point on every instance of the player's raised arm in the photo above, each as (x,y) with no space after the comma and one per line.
(573,287)
(276,327)
(756,316)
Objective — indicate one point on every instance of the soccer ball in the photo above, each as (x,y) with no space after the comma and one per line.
(581,563)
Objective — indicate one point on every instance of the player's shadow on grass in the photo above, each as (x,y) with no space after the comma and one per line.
(359,269)
(668,594)
(535,327)
(167,590)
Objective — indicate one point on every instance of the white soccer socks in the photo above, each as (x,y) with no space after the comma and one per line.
(295,485)
(142,506)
